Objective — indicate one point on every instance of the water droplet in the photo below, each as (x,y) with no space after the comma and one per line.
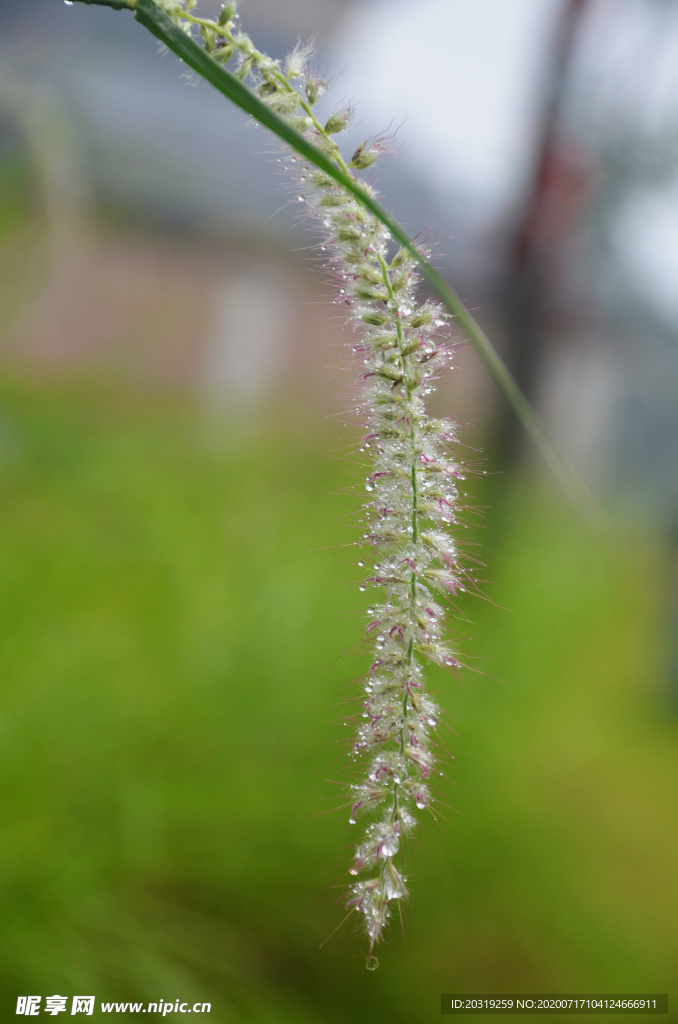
(301,199)
(421,802)
(362,588)
(361,563)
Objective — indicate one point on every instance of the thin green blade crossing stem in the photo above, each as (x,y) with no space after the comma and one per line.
(153,18)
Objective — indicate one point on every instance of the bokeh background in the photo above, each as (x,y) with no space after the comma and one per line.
(179,614)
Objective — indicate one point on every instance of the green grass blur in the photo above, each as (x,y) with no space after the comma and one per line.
(171,699)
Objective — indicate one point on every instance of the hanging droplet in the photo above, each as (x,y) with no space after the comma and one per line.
(389,847)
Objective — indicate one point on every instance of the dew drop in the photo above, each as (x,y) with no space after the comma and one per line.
(361,563)
(351,821)
(301,199)
(362,588)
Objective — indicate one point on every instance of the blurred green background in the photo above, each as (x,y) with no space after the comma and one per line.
(172,698)
(180,632)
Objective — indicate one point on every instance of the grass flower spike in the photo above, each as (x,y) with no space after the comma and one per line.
(401,344)
(413,479)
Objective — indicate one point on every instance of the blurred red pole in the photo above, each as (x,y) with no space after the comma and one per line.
(548,218)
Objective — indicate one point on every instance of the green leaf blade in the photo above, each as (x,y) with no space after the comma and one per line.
(156,21)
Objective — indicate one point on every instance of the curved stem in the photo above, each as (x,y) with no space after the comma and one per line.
(117,5)
(152,17)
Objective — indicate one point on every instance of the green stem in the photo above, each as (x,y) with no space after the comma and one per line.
(415,523)
(152,17)
(117,5)
(399,336)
